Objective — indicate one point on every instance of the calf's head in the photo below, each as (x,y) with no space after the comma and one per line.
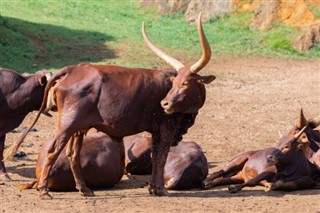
(287,149)
(187,94)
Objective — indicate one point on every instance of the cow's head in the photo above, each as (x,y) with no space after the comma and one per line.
(287,148)
(42,76)
(187,94)
(310,135)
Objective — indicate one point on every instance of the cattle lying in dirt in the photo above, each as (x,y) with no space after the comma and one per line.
(283,167)
(122,101)
(19,95)
(102,164)
(186,166)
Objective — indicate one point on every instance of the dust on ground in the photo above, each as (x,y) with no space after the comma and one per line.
(251,99)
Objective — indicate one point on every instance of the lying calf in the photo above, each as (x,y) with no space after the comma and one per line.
(186,166)
(102,163)
(284,167)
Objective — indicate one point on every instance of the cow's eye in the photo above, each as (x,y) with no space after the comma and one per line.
(286,147)
(185,83)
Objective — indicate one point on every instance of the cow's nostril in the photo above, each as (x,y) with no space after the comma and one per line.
(165,104)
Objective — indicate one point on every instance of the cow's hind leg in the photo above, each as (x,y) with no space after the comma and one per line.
(54,150)
(3,174)
(236,179)
(73,153)
(251,183)
(232,168)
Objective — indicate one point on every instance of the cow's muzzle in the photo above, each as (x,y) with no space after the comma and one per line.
(167,106)
(271,159)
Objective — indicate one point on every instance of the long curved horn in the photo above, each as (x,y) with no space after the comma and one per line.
(297,135)
(206,50)
(302,121)
(177,65)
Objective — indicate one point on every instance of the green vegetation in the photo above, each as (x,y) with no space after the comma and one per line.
(36,34)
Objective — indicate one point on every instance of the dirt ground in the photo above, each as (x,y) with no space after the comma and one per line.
(251,99)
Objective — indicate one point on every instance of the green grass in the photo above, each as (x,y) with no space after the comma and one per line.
(37,34)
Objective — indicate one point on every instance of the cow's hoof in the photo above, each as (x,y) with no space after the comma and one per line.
(205,185)
(268,187)
(87,193)
(44,195)
(5,177)
(233,188)
(161,192)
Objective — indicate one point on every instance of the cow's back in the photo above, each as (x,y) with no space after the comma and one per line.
(114,97)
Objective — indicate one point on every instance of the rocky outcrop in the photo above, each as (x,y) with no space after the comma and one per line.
(293,13)
(288,12)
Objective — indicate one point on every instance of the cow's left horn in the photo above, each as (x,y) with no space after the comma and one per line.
(177,65)
(206,50)
(302,121)
(297,135)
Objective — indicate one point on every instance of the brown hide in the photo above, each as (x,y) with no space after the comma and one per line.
(19,95)
(285,167)
(186,165)
(101,159)
(122,101)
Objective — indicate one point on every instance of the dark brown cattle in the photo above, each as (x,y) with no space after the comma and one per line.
(102,164)
(311,135)
(19,95)
(123,101)
(252,168)
(186,166)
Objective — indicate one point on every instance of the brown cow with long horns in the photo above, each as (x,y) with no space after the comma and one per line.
(123,101)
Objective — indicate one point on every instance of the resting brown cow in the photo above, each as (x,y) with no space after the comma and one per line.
(19,95)
(102,164)
(123,101)
(252,168)
(186,166)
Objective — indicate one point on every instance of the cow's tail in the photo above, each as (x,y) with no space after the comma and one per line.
(28,185)
(12,150)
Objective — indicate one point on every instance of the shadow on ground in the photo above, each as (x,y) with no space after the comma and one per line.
(27,46)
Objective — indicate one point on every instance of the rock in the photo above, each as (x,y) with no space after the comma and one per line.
(209,9)
(265,14)
(308,39)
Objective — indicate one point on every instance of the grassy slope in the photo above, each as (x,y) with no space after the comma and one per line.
(52,34)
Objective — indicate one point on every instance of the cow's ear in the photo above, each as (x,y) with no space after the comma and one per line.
(171,78)
(206,79)
(43,80)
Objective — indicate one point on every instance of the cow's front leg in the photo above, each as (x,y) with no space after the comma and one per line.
(155,151)
(301,183)
(3,174)
(73,153)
